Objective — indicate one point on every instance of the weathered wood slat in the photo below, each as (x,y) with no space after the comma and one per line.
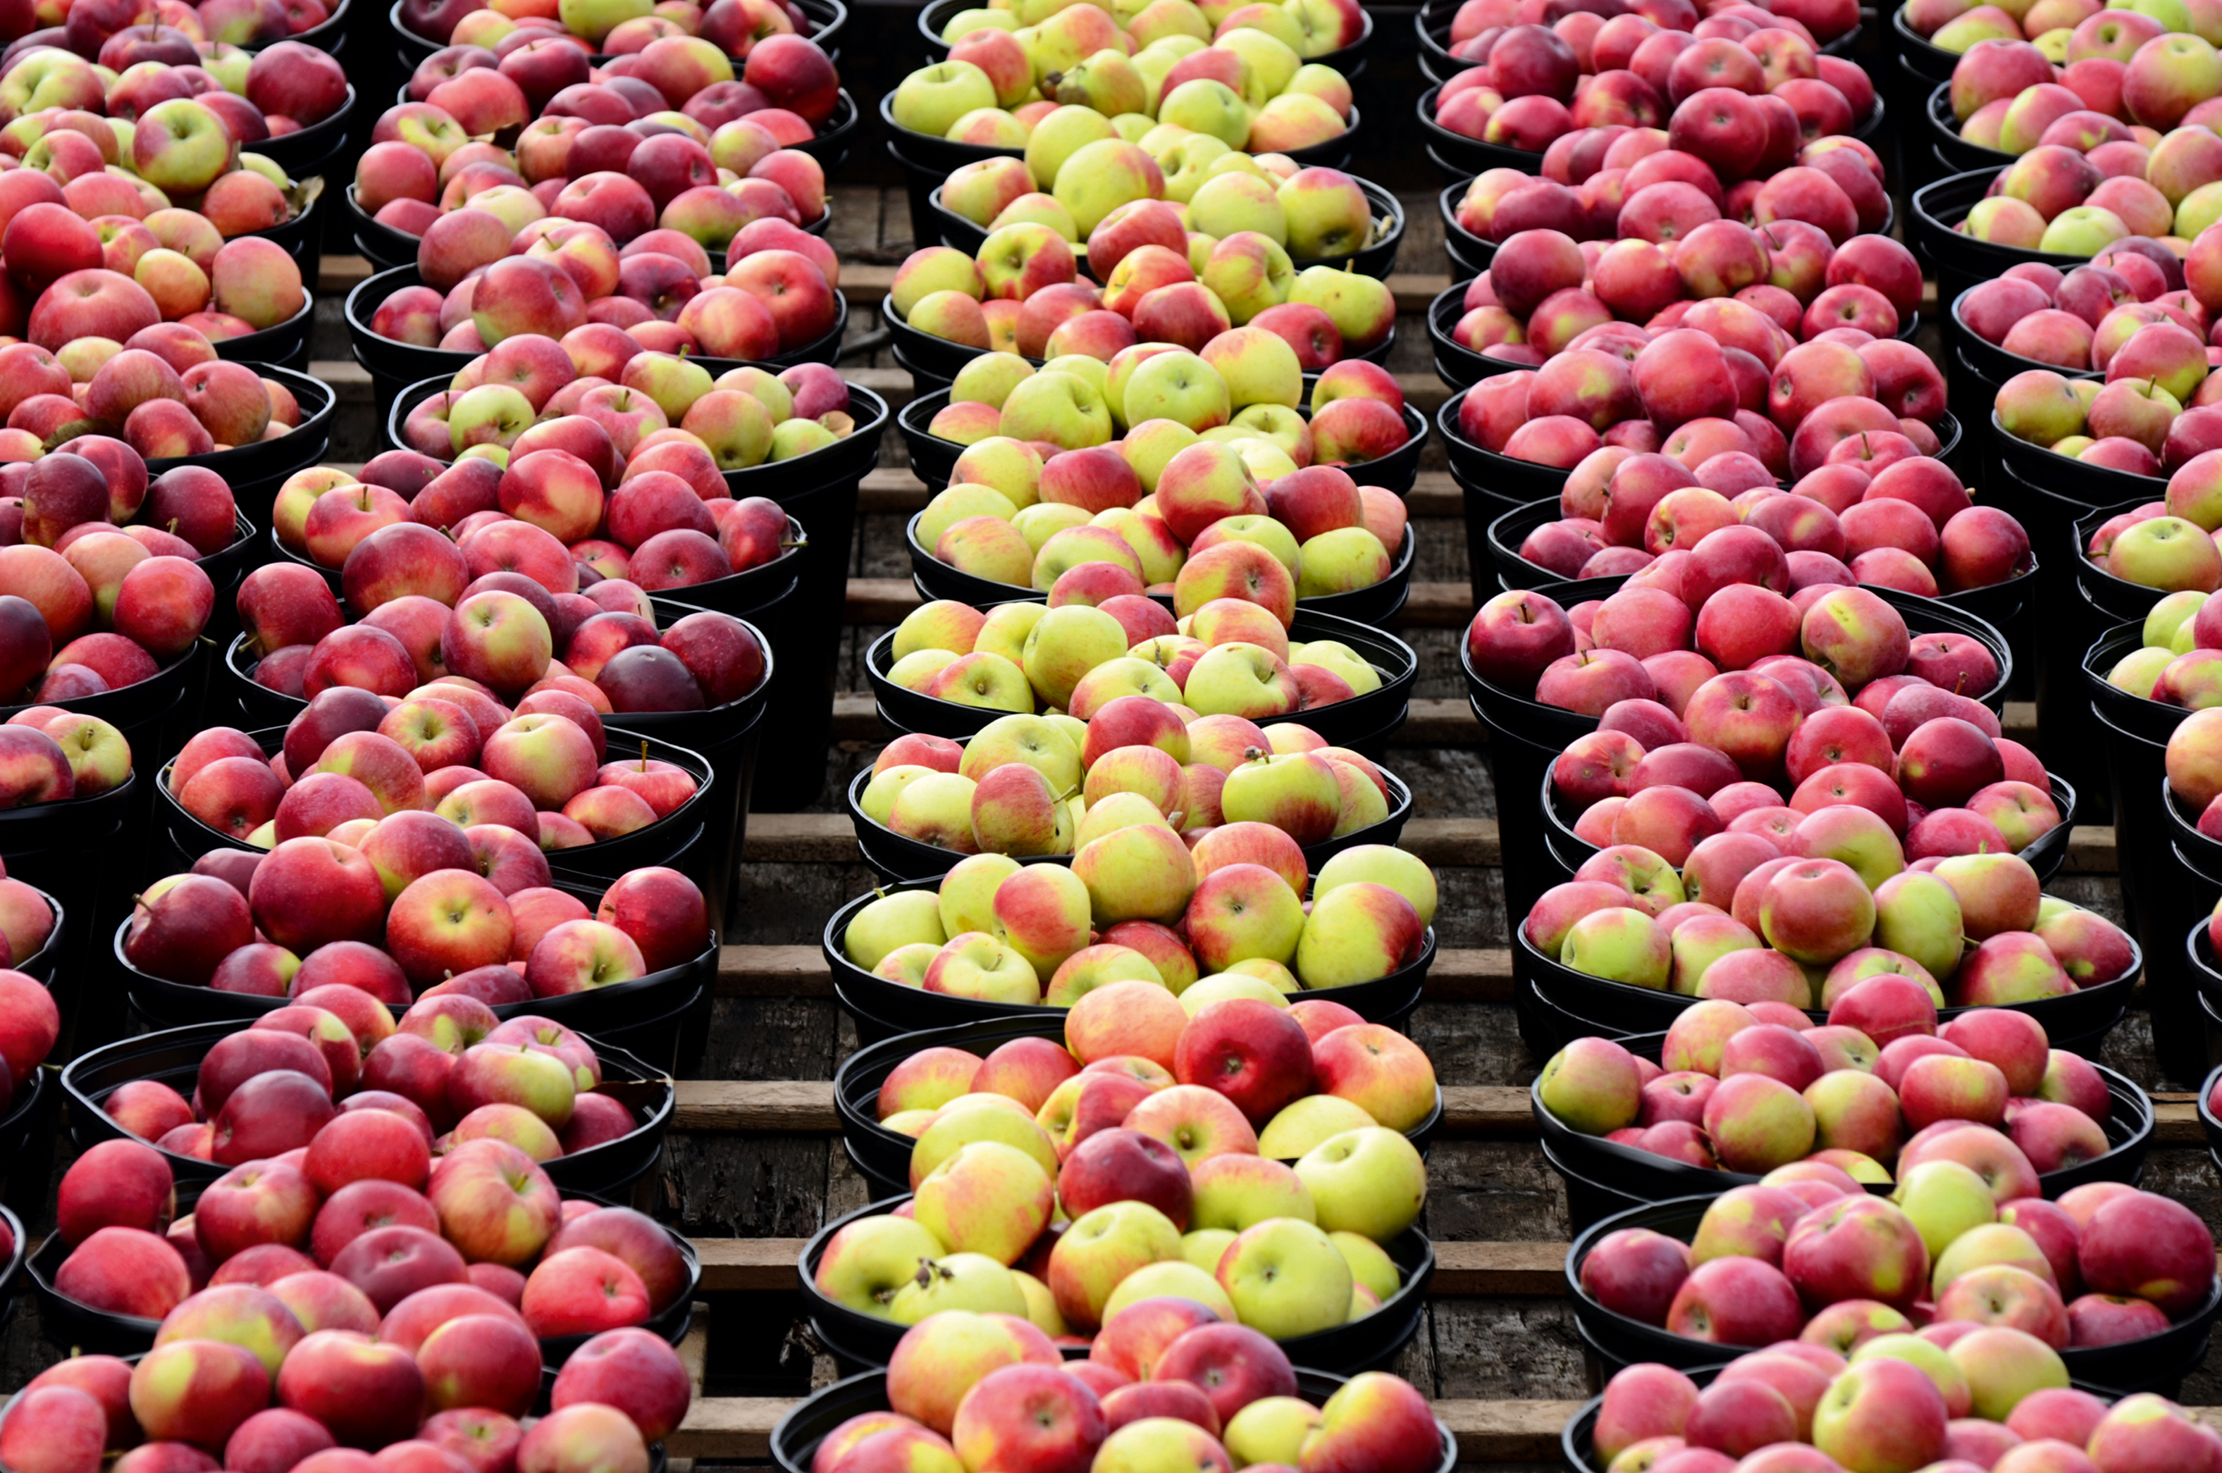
(738,1429)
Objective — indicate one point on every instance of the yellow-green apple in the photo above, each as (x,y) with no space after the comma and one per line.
(2004,1365)
(1369,1181)
(986,1198)
(868,1260)
(1100,1249)
(1881,1413)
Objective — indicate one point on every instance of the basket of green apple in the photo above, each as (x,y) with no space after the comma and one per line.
(1313,800)
(948,120)
(1800,1408)
(1314,545)
(1696,1129)
(889,1093)
(2107,1285)
(1318,216)
(1021,291)
(1026,657)
(924,953)
(1175,1200)
(1181,1390)
(1334,34)
(1167,398)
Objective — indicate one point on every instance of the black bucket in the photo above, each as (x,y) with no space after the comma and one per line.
(308,151)
(884,1009)
(2206,977)
(868,1342)
(933,458)
(1959,260)
(2209,1123)
(900,858)
(795,1440)
(1362,723)
(39,965)
(2155,1363)
(1994,363)
(1958,155)
(2159,890)
(1377,604)
(1455,364)
(2064,624)
(1919,55)
(173,1057)
(1606,1169)
(883,1155)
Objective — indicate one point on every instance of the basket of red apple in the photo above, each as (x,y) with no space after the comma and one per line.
(1828,528)
(2069,1121)
(1317,551)
(1496,322)
(1982,1399)
(592,1114)
(33,1023)
(620,961)
(366,1203)
(1971,930)
(1930,38)
(2109,1282)
(2074,322)
(657,816)
(1504,454)
(1744,103)
(2129,439)
(1315,800)
(709,171)
(945,308)
(1615,185)
(733,29)
(1025,657)
(966,1389)
(1934,792)
(2007,97)
(888,1094)
(996,939)
(2041,208)
(1455,34)
(1168,1196)
(314,1379)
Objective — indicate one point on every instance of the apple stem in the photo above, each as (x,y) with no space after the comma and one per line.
(1255,754)
(644,754)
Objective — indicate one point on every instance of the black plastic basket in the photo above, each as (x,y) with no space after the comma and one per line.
(1959,260)
(308,151)
(901,858)
(173,1057)
(868,1341)
(255,472)
(1917,53)
(1994,363)
(1361,723)
(883,1009)
(883,1155)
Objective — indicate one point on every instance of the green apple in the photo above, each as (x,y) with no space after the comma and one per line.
(1943,1199)
(1379,864)
(1237,1192)
(988,1198)
(1187,163)
(1062,409)
(1058,135)
(931,99)
(1204,1248)
(1360,306)
(966,900)
(1044,520)
(1270,1430)
(1286,1278)
(1259,367)
(1307,1122)
(1268,40)
(1179,386)
(972,1118)
(1932,1359)
(1232,201)
(879,795)
(970,1281)
(893,920)
(1329,218)
(1033,740)
(907,965)
(1220,986)
(867,1262)
(989,379)
(965,22)
(1370,1264)
(1210,107)
(1370,1181)
(1006,629)
(954,504)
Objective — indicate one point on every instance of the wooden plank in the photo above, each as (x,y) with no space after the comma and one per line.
(339,275)
(350,381)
